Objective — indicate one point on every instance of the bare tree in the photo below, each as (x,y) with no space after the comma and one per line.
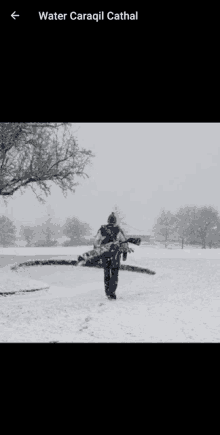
(7,231)
(35,154)
(76,231)
(206,219)
(46,234)
(165,226)
(213,236)
(184,219)
(28,233)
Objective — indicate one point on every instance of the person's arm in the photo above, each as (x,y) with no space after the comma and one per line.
(121,238)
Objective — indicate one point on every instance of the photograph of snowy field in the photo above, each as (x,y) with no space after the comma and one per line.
(180,303)
(109,232)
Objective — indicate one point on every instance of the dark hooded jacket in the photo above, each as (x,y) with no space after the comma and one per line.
(111,233)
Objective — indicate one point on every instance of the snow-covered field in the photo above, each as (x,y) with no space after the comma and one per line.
(181,303)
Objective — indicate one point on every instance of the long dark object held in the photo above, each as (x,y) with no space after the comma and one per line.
(96,252)
(134,240)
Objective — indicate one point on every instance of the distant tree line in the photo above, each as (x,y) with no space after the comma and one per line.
(190,225)
(50,233)
(47,234)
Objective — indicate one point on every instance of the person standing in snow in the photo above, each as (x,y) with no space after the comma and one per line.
(111,260)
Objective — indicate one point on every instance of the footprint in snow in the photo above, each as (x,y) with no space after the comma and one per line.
(87,319)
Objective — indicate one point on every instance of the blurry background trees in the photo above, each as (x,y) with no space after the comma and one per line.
(28,234)
(189,225)
(184,227)
(79,233)
(164,229)
(7,231)
(205,224)
(50,233)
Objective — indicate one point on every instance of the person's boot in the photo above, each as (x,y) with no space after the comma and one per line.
(112,296)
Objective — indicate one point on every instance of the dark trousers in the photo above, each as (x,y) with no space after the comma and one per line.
(111,270)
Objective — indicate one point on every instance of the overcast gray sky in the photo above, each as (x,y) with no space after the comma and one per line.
(141,168)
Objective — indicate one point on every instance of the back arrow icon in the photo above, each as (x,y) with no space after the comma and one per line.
(13,15)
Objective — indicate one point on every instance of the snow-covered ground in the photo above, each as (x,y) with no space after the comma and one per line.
(181,303)
(141,251)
